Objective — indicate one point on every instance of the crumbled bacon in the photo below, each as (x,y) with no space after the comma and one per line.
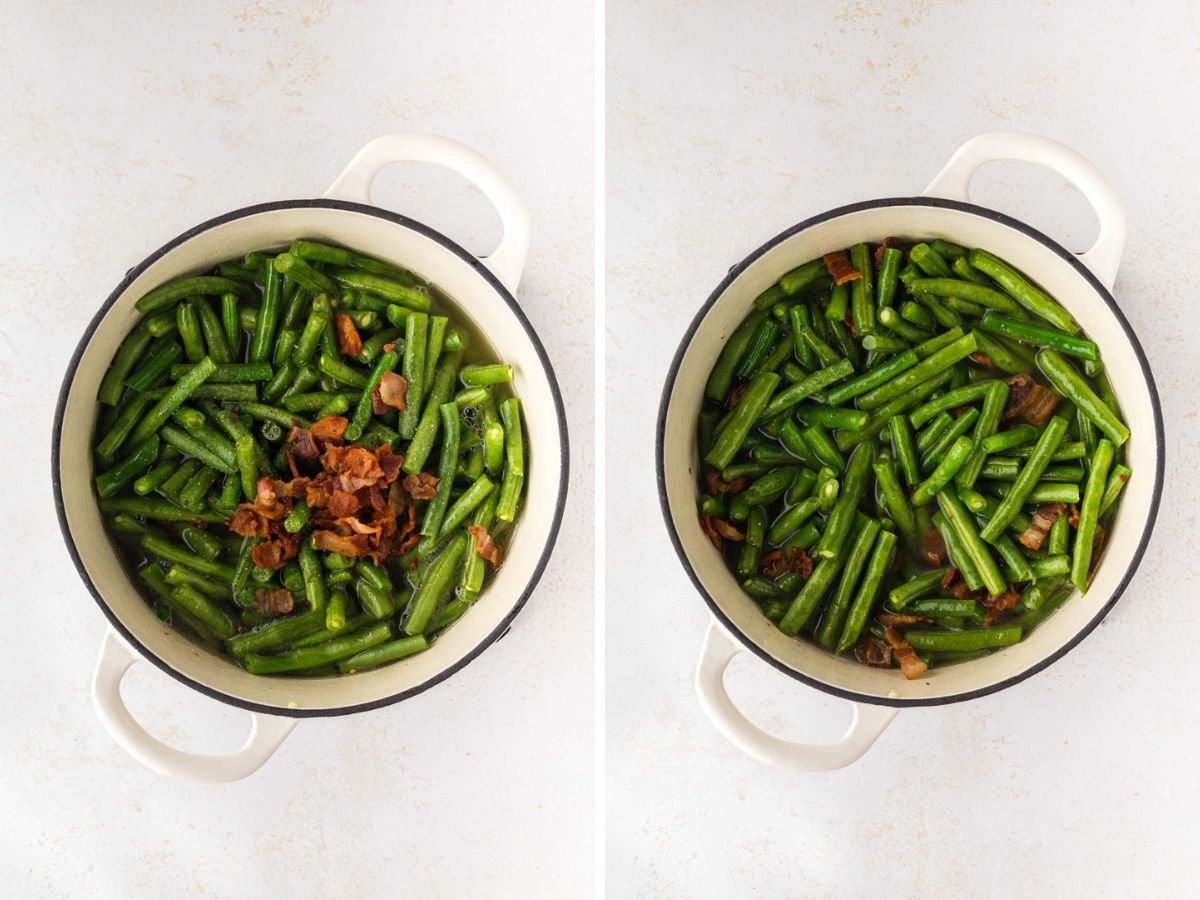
(1005,600)
(839,267)
(933,547)
(911,665)
(303,444)
(291,458)
(875,652)
(349,342)
(393,389)
(982,358)
(389,463)
(1040,524)
(484,545)
(329,427)
(342,503)
(274,553)
(266,498)
(347,545)
(1028,401)
(247,522)
(1097,549)
(727,530)
(1073,518)
(354,466)
(274,601)
(949,578)
(712,481)
(954,585)
(421,486)
(777,563)
(707,524)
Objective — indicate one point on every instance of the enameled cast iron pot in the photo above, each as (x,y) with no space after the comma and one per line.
(1081,283)
(481,291)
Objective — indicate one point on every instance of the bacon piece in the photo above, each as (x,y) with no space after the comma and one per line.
(421,486)
(358,526)
(1005,600)
(484,545)
(983,359)
(355,466)
(246,522)
(348,545)
(949,578)
(266,498)
(727,530)
(1073,518)
(342,503)
(291,458)
(1098,543)
(274,601)
(274,553)
(378,407)
(933,547)
(897,619)
(389,463)
(349,343)
(393,389)
(1028,401)
(302,443)
(911,665)
(319,490)
(875,652)
(706,524)
(1040,524)
(777,563)
(712,481)
(329,427)
(839,267)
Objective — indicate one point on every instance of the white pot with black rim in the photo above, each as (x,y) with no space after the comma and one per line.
(481,295)
(1082,283)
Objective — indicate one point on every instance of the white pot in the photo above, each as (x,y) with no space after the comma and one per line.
(482,295)
(1081,283)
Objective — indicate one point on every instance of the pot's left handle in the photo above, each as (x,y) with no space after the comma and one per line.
(266,732)
(354,185)
(867,724)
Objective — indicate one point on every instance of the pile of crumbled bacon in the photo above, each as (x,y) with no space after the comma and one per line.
(360,505)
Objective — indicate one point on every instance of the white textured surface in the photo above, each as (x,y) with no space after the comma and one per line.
(126,124)
(727,124)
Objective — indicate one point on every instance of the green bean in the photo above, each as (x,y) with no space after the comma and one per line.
(1038,593)
(872,378)
(1089,513)
(862,291)
(933,365)
(159,357)
(904,449)
(897,324)
(373,346)
(276,633)
(230,322)
(877,566)
(830,626)
(1006,440)
(806,601)
(266,413)
(161,323)
(322,654)
(958,428)
(975,639)
(335,610)
(362,410)
(885,287)
(1067,451)
(929,261)
(314,579)
(902,403)
(942,474)
(174,484)
(932,433)
(1071,385)
(799,317)
(839,303)
(1050,566)
(128,415)
(433,586)
(952,399)
(960,558)
(769,487)
(148,483)
(801,277)
(205,285)
(854,485)
(989,420)
(427,430)
(306,344)
(966,290)
(171,400)
(413,369)
(200,542)
(893,497)
(392,291)
(793,394)
(341,372)
(1039,335)
(139,460)
(193,493)
(387,652)
(1029,296)
(882,343)
(1116,483)
(232,373)
(436,509)
(471,578)
(748,410)
(916,587)
(911,311)
(179,575)
(1047,443)
(213,332)
(944,607)
(188,324)
(130,351)
(338,256)
(1042,492)
(790,521)
(299,271)
(824,448)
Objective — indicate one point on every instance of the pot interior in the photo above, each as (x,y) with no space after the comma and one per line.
(1042,261)
(474,300)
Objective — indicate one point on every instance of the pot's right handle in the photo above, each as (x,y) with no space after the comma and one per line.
(354,185)
(954,183)
(718,652)
(266,732)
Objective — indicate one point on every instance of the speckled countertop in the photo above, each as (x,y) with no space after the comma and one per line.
(728,123)
(126,124)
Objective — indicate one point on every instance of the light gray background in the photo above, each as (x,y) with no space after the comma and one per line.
(726,124)
(126,123)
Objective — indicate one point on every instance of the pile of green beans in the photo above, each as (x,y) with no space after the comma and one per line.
(855,447)
(199,403)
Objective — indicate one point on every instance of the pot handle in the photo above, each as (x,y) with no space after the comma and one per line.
(354,185)
(954,182)
(718,652)
(266,732)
